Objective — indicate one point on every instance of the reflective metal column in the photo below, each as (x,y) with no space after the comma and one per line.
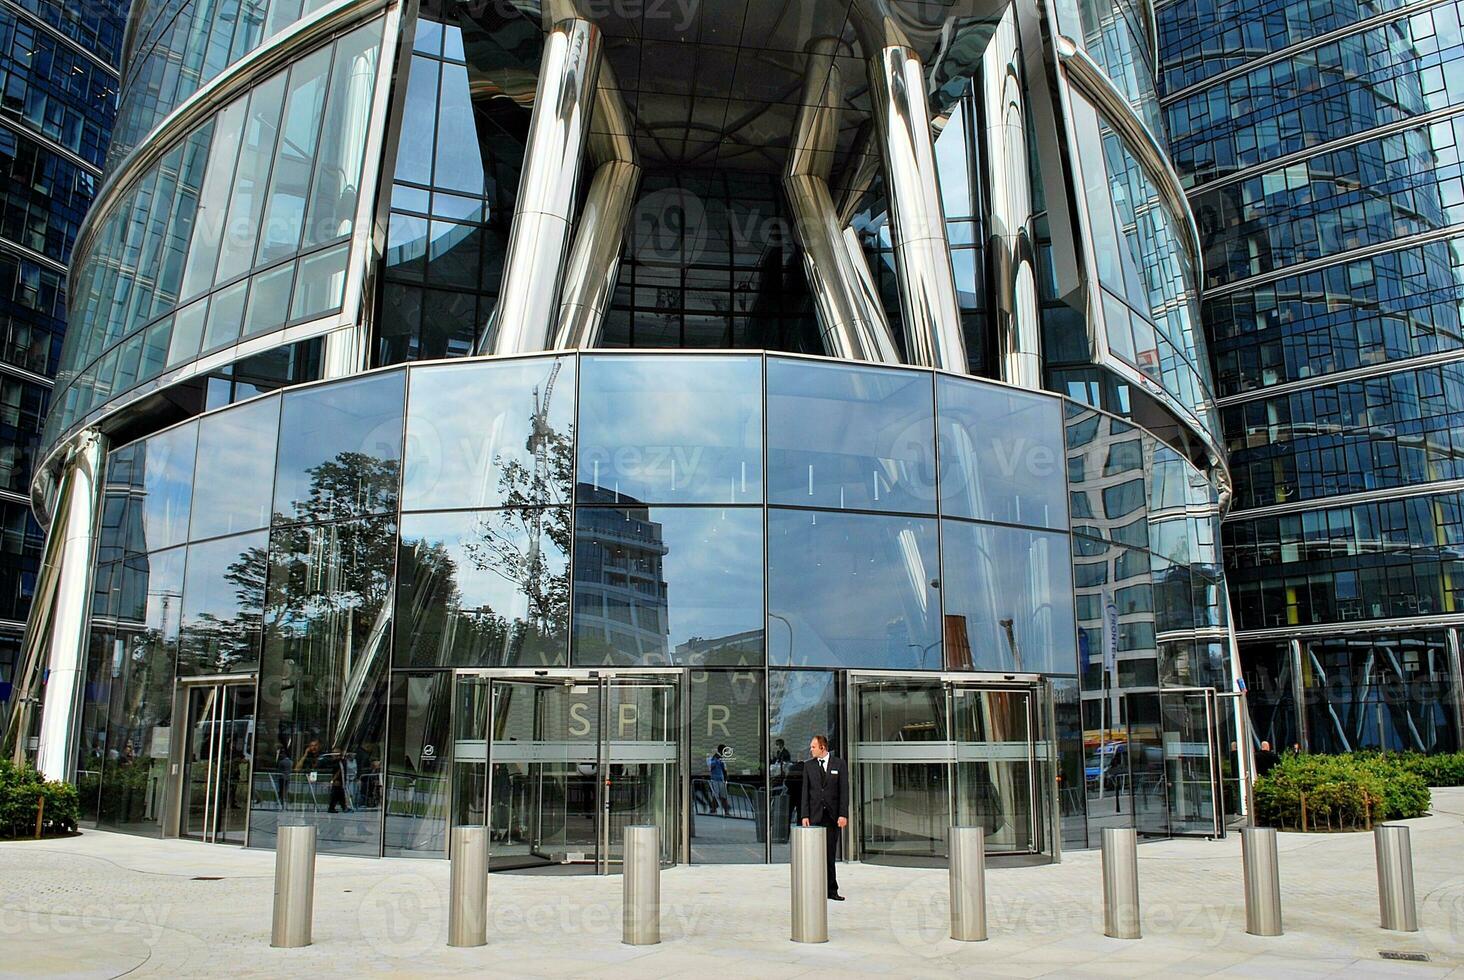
(294,887)
(528,301)
(1121,883)
(968,884)
(641,915)
(1396,902)
(1262,881)
(467,914)
(928,305)
(809,869)
(54,649)
(850,315)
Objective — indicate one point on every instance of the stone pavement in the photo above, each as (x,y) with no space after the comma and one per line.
(106,904)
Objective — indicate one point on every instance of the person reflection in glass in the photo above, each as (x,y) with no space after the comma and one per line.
(717,779)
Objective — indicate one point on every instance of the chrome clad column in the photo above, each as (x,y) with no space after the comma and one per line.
(294,888)
(1262,881)
(851,326)
(968,884)
(901,113)
(53,656)
(528,302)
(1009,193)
(1396,901)
(810,872)
(594,259)
(641,915)
(878,341)
(1121,883)
(467,914)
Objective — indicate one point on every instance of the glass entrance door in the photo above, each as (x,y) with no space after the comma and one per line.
(561,765)
(1191,760)
(217,761)
(930,752)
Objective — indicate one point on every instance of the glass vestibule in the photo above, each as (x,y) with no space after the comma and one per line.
(557,763)
(217,766)
(930,752)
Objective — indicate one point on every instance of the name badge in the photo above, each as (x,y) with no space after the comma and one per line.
(834,772)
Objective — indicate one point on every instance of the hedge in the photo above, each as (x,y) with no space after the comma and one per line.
(20,789)
(1340,792)
(1446,769)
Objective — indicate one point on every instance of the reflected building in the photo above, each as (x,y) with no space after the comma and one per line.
(1319,148)
(552,417)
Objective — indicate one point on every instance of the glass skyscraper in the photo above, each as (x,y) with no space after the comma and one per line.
(58,98)
(1320,146)
(549,416)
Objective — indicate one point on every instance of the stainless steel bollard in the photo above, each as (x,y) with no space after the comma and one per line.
(641,919)
(1262,881)
(1121,883)
(968,884)
(1396,902)
(810,886)
(467,914)
(294,887)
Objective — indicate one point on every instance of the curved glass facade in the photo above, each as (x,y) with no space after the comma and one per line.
(1327,189)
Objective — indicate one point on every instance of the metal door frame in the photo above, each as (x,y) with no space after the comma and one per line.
(176,822)
(1212,739)
(1238,705)
(602,678)
(1039,723)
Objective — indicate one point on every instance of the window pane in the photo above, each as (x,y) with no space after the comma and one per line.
(269,300)
(223,597)
(340,449)
(289,181)
(208,228)
(1008,599)
(246,198)
(852,590)
(187,333)
(322,283)
(231,492)
(727,787)
(486,588)
(343,136)
(514,447)
(415,768)
(164,473)
(801,704)
(1001,454)
(850,437)
(667,585)
(670,430)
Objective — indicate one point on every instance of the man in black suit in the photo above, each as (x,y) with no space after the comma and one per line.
(826,800)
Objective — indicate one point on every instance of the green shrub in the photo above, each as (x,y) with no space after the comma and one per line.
(20,789)
(1339,792)
(1444,769)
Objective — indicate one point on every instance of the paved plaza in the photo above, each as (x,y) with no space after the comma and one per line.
(105,905)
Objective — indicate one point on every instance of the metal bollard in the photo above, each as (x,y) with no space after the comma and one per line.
(810,886)
(1396,902)
(968,884)
(467,915)
(1262,881)
(294,887)
(1121,883)
(641,919)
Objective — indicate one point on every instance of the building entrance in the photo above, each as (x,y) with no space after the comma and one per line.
(218,755)
(558,763)
(932,751)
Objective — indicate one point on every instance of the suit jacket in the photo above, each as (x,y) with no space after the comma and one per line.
(825,795)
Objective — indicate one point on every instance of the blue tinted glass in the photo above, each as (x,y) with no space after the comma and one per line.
(231,484)
(165,474)
(1001,454)
(852,590)
(667,585)
(514,447)
(1008,599)
(841,436)
(222,605)
(670,430)
(340,449)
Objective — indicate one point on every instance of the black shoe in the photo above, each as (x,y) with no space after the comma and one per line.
(835,897)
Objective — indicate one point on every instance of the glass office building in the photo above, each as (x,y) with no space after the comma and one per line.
(1320,145)
(550,416)
(58,99)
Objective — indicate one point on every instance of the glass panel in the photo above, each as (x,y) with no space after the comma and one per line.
(343,136)
(327,649)
(801,704)
(163,471)
(852,590)
(234,447)
(642,725)
(225,315)
(1008,599)
(1189,758)
(289,180)
(470,749)
(994,781)
(246,198)
(187,333)
(223,596)
(1001,454)
(728,791)
(670,430)
(1143,761)
(208,230)
(269,300)
(322,283)
(483,588)
(850,437)
(340,449)
(668,585)
(416,765)
(515,447)
(904,756)
(544,763)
